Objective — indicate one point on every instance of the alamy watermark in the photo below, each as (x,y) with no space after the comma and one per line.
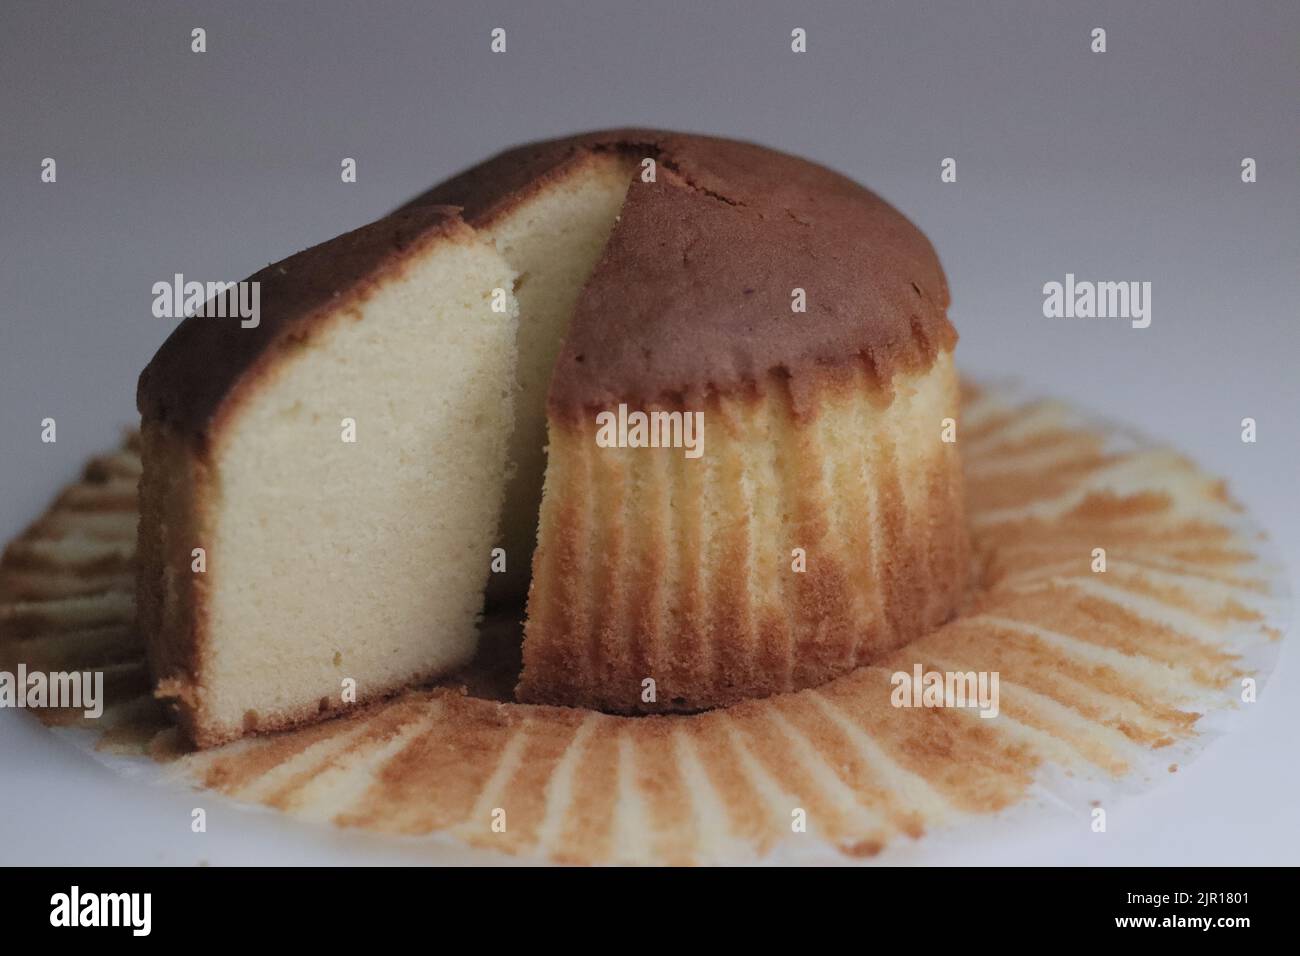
(221,300)
(656,429)
(967,689)
(1075,299)
(63,690)
(129,910)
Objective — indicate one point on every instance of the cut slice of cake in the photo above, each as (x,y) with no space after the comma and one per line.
(320,492)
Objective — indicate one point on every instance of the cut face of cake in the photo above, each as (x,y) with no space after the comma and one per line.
(551,232)
(341,469)
(783,328)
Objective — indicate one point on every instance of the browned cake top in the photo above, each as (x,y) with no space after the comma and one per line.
(694,291)
(692,294)
(199,370)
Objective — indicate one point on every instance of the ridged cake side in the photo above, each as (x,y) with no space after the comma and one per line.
(652,565)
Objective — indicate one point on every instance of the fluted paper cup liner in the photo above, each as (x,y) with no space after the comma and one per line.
(1107,681)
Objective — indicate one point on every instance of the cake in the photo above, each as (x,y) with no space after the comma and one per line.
(810,521)
(331,570)
(824,429)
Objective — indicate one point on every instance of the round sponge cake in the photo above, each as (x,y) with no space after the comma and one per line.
(693,398)
(801,320)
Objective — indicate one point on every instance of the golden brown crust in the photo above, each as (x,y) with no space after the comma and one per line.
(198,373)
(693,293)
(716,245)
(652,566)
(204,736)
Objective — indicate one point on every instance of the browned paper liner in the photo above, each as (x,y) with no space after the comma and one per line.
(1107,680)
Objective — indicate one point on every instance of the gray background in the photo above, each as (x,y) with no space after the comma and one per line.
(1123,165)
